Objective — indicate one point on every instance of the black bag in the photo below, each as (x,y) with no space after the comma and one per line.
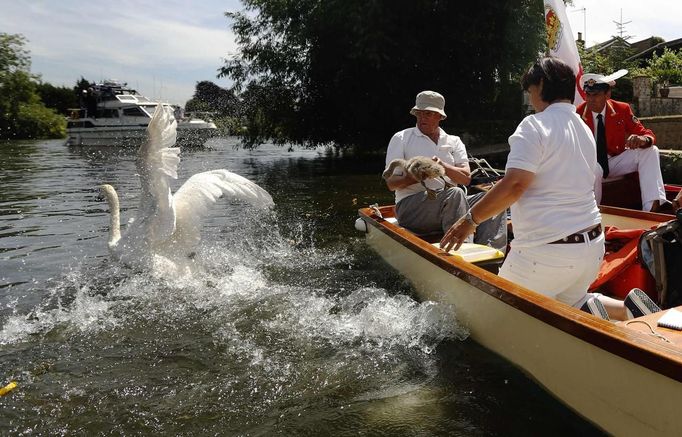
(660,250)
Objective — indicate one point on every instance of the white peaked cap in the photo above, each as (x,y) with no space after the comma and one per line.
(595,79)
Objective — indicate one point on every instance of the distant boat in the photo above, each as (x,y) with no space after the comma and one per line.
(113,115)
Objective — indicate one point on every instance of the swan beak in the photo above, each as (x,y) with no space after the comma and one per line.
(102,191)
(99,194)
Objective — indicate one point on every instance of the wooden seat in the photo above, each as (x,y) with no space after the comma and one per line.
(622,191)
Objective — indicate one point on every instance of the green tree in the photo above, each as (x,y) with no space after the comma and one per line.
(346,72)
(22,114)
(61,99)
(593,61)
(666,68)
(82,84)
(13,56)
(606,61)
(210,97)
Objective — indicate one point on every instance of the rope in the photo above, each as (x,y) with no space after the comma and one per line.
(653,331)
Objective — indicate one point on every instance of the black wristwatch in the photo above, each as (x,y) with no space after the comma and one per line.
(649,140)
(470,219)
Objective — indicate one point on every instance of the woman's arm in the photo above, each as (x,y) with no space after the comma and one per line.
(507,191)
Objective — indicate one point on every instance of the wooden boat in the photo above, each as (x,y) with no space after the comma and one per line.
(617,375)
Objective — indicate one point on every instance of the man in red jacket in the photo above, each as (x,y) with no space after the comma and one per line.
(624,145)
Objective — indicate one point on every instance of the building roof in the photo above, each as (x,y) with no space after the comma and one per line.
(647,43)
(658,49)
(643,49)
(615,41)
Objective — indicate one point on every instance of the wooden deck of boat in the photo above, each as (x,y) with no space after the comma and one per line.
(649,325)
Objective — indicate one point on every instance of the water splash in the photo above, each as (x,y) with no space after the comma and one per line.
(270,322)
(239,278)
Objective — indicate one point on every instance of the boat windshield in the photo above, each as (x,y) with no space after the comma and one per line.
(126,98)
(149,108)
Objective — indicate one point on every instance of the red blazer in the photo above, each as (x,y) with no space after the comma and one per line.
(619,122)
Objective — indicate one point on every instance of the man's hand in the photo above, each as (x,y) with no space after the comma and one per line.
(459,174)
(677,201)
(637,142)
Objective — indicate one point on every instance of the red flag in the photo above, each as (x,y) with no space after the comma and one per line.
(561,43)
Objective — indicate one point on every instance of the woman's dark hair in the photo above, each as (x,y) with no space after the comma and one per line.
(558,79)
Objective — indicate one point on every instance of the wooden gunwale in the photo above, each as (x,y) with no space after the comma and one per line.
(632,345)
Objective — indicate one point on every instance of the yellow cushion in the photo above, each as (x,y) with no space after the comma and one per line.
(473,253)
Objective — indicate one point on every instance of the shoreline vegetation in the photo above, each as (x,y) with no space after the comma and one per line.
(313,74)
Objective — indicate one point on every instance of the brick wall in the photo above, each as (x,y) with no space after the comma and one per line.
(647,105)
(668,130)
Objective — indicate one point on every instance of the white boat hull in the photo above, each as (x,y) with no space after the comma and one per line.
(617,394)
(119,117)
(134,136)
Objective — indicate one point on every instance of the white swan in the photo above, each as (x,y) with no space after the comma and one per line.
(167,226)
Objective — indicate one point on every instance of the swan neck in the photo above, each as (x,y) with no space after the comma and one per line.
(114,214)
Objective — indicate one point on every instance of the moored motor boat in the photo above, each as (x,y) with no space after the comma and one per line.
(617,375)
(112,114)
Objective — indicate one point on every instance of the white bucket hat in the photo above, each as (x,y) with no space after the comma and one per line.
(429,101)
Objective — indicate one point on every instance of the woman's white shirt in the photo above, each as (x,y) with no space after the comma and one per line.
(558,147)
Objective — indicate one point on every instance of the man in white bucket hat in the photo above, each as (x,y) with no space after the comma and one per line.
(624,145)
(415,210)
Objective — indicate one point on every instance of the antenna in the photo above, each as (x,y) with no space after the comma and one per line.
(620,25)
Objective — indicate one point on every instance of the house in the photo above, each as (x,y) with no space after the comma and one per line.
(640,51)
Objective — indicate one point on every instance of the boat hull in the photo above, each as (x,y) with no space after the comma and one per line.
(134,136)
(564,350)
(111,114)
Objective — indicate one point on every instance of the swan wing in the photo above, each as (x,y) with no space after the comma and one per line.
(198,194)
(157,162)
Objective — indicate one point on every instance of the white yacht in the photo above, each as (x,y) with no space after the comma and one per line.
(113,115)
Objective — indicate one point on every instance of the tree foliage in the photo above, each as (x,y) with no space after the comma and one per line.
(61,99)
(210,97)
(608,61)
(346,72)
(666,68)
(22,114)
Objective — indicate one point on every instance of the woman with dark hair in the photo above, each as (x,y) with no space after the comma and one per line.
(558,242)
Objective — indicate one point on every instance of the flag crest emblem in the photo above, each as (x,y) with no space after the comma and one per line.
(553,27)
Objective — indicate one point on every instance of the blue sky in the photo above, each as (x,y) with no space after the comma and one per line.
(160,48)
(164,48)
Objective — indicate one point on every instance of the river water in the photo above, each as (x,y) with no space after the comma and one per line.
(293,327)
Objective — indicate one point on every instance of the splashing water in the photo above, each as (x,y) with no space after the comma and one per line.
(261,317)
(291,326)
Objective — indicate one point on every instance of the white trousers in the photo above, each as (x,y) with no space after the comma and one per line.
(561,271)
(647,163)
